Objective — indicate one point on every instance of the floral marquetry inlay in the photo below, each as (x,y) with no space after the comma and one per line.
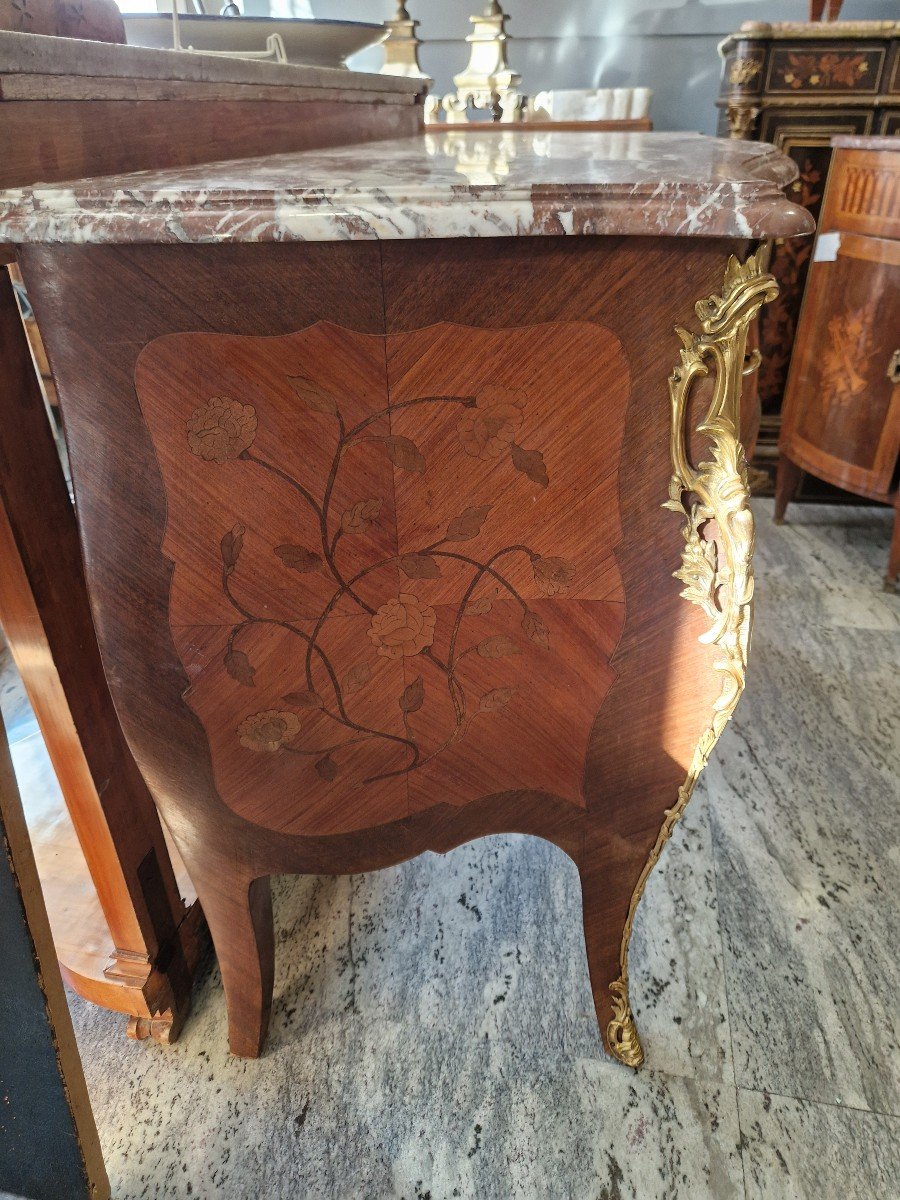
(829,71)
(387,583)
(850,345)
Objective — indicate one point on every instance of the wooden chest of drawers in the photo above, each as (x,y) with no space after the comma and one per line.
(382,481)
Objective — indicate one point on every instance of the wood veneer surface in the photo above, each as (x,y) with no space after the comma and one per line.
(579,327)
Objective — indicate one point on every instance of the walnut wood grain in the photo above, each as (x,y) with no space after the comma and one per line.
(157,587)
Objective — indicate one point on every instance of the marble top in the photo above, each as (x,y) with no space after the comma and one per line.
(795,30)
(451,184)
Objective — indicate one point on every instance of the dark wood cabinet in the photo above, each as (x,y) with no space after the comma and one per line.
(841,418)
(799,85)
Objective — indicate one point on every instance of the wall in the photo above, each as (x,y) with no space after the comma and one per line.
(669,45)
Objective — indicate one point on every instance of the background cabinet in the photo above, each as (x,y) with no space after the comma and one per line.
(841,418)
(798,85)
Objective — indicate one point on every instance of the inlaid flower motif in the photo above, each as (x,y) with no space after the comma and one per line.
(402,627)
(221,429)
(269,730)
(489,429)
(830,70)
(552,575)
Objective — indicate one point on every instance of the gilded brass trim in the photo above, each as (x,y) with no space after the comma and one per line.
(743,71)
(716,570)
(741,118)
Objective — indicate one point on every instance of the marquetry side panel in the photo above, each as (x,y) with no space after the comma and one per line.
(842,408)
(499,402)
(128,301)
(395,582)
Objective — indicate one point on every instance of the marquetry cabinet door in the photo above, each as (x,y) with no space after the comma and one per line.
(842,410)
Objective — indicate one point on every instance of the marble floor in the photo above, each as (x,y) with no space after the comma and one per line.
(433,1034)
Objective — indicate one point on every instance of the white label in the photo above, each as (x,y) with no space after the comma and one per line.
(827,246)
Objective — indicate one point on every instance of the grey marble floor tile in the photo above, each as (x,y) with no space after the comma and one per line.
(676,967)
(505,915)
(807,847)
(424,1043)
(826,565)
(794,1150)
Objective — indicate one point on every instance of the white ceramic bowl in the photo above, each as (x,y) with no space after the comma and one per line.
(313,43)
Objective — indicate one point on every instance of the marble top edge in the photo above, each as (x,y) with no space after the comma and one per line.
(458,184)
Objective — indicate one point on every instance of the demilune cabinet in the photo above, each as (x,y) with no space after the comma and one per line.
(841,419)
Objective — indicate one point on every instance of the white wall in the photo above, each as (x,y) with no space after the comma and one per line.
(668,45)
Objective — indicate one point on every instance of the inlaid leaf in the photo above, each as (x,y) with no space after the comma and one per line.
(530,463)
(536,629)
(552,574)
(314,396)
(231,545)
(360,516)
(298,558)
(467,525)
(403,453)
(477,608)
(238,666)
(420,566)
(356,678)
(495,699)
(499,646)
(327,768)
(304,699)
(413,696)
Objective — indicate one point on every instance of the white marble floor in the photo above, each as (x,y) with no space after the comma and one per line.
(433,1034)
